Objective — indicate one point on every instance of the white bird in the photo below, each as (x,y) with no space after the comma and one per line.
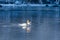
(24,25)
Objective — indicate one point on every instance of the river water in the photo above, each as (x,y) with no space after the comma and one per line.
(45,24)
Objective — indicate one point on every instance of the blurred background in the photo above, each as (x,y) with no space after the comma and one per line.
(30,1)
(45,21)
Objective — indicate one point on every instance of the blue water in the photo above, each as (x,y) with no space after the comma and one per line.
(45,24)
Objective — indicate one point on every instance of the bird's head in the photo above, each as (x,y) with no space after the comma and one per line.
(28,22)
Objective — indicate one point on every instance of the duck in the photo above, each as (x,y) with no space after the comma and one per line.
(24,25)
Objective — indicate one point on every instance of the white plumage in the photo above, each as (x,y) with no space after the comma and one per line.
(25,25)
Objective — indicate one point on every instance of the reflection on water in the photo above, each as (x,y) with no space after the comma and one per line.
(44,24)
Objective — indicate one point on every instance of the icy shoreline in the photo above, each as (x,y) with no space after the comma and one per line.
(24,7)
(26,4)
